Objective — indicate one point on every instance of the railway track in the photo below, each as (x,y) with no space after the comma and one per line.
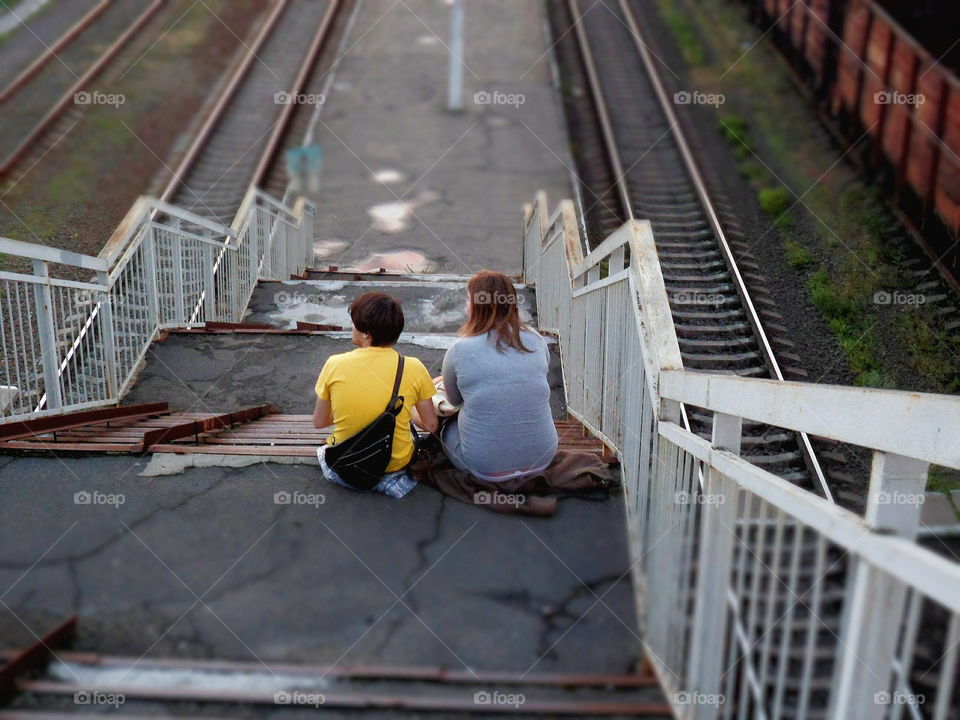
(45,99)
(646,170)
(45,42)
(237,145)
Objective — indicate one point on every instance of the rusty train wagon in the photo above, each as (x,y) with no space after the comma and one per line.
(871,75)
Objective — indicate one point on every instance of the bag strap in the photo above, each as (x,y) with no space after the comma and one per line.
(396,385)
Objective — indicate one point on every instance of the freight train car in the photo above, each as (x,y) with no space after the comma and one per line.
(871,75)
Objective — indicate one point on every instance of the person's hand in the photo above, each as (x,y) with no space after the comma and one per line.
(437,380)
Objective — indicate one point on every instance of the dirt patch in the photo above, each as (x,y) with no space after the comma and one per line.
(77,193)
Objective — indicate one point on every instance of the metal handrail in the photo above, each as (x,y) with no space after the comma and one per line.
(627,388)
(67,345)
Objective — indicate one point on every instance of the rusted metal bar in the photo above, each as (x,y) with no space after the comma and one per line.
(68,96)
(40,426)
(34,657)
(369,672)
(238,326)
(301,325)
(362,700)
(286,112)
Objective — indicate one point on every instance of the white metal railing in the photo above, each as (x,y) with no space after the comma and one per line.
(756,598)
(69,344)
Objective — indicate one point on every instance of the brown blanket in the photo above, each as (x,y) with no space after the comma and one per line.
(570,472)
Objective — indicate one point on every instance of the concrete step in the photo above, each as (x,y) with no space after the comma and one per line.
(431,303)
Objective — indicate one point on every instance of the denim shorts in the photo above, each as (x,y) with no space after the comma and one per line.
(395,484)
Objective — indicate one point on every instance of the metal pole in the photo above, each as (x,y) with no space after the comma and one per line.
(455,80)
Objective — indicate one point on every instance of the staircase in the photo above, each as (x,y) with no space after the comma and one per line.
(55,682)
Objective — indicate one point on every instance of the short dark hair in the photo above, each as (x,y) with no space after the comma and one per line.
(378,314)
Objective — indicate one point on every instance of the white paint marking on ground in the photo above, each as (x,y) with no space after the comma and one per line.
(97,676)
(388,175)
(173,463)
(340,285)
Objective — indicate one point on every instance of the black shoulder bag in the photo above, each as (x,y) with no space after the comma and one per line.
(362,459)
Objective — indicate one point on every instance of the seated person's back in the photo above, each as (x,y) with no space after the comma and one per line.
(358,384)
(355,388)
(498,371)
(505,424)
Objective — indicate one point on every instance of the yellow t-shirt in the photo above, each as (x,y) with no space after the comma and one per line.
(358,385)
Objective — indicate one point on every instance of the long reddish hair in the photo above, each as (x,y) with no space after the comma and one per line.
(493,306)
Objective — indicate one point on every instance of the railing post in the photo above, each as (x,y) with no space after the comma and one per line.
(109,336)
(309,223)
(150,274)
(234,261)
(264,217)
(871,627)
(47,334)
(253,239)
(715,557)
(209,287)
(178,299)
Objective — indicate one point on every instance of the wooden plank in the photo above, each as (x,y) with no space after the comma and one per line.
(52,423)
(268,437)
(231,440)
(195,427)
(284,451)
(22,445)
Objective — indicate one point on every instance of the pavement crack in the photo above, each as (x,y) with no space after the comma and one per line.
(556,615)
(423,566)
(113,538)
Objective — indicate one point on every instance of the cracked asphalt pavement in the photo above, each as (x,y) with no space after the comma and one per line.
(208,564)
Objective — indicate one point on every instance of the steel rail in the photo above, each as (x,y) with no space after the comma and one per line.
(702,193)
(286,114)
(51,51)
(282,123)
(606,127)
(68,97)
(216,113)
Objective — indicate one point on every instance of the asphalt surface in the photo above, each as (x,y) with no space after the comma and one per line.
(317,581)
(407,184)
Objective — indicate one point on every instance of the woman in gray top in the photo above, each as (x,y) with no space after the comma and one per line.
(497,371)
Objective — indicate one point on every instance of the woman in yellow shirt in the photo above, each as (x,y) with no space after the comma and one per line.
(354,388)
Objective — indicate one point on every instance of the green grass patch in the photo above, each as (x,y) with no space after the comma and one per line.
(944,480)
(844,314)
(798,257)
(684,32)
(734,129)
(775,202)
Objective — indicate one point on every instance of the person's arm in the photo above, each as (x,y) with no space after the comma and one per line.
(322,415)
(323,410)
(424,416)
(450,378)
